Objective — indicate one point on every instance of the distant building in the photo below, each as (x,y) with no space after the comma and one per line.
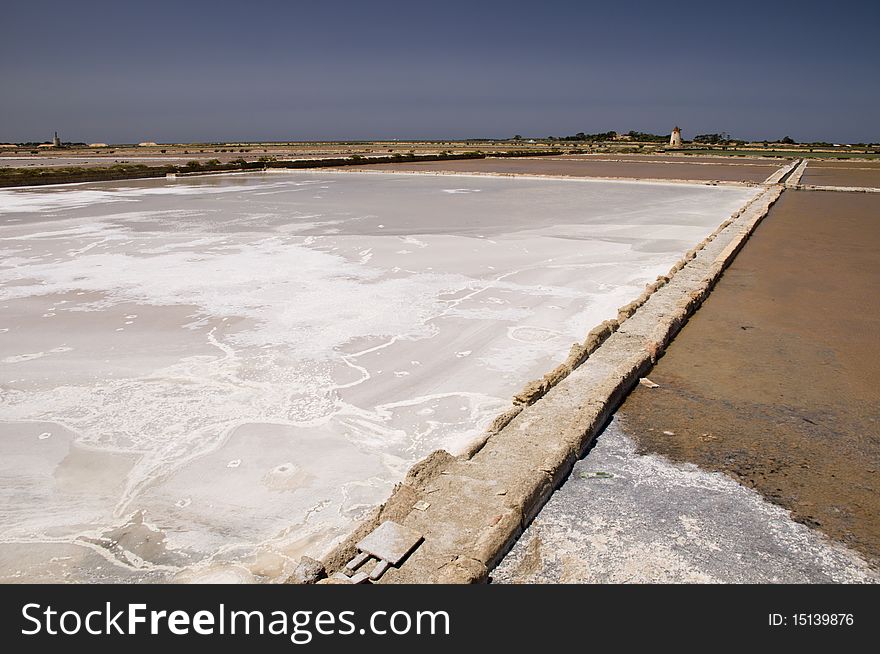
(56,142)
(98,145)
(7,145)
(675,138)
(147,144)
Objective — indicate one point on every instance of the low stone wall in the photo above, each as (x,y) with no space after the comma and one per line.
(845,189)
(795,178)
(776,177)
(471,508)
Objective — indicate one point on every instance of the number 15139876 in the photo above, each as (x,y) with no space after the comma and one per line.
(811,620)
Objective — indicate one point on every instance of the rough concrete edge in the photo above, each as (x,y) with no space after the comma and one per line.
(845,189)
(795,177)
(580,352)
(465,569)
(395,508)
(660,338)
(777,175)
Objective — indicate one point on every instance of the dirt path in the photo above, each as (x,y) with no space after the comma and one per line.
(774,381)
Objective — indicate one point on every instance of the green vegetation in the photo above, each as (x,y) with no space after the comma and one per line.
(599,137)
(648,138)
(521,153)
(713,139)
(580,136)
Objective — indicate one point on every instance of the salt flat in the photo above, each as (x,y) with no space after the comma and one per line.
(205,378)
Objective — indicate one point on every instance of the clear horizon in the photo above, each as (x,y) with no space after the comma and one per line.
(235,141)
(275,71)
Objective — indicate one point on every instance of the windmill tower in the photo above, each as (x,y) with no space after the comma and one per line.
(675,138)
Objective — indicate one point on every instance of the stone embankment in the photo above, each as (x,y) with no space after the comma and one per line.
(471,508)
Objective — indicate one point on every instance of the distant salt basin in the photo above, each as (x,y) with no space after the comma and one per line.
(204,379)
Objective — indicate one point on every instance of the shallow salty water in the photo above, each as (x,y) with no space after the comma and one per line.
(205,378)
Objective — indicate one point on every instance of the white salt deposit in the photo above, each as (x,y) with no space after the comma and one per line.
(234,369)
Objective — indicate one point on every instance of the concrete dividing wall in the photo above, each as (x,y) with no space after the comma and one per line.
(845,189)
(471,508)
(795,178)
(776,177)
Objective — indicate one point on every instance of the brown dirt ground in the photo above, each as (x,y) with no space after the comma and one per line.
(583,167)
(856,173)
(774,380)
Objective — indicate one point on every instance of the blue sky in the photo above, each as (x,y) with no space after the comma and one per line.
(266,70)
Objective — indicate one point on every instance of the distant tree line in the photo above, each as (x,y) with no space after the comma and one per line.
(608,136)
(64,144)
(713,139)
(646,137)
(580,136)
